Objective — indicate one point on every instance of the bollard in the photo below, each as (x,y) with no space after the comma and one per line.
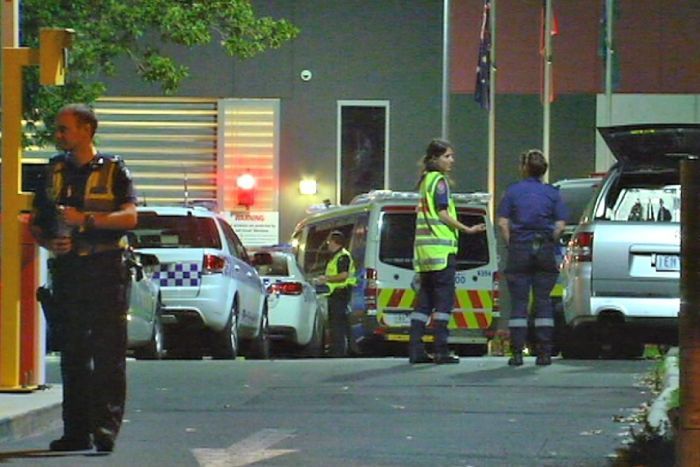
(688,439)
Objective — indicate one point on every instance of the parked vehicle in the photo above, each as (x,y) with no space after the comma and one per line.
(208,285)
(297,314)
(380,228)
(622,266)
(146,338)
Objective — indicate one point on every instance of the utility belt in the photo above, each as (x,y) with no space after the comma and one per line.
(84,248)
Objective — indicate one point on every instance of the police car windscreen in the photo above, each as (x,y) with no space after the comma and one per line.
(156,231)
(398,234)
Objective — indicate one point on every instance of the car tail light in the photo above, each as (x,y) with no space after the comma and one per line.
(496,292)
(286,288)
(371,290)
(213,263)
(581,246)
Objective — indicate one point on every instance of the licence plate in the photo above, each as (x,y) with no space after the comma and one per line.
(668,263)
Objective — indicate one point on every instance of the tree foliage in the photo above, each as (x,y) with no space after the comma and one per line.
(109,29)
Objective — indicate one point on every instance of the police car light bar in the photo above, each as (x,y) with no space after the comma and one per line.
(476,197)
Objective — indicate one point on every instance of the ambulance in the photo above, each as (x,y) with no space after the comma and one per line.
(379,227)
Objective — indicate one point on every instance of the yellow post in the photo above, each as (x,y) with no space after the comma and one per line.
(14,59)
(51,57)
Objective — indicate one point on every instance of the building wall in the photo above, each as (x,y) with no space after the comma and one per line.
(391,50)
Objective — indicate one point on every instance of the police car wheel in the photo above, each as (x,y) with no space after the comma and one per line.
(155,349)
(225,342)
(260,346)
(315,346)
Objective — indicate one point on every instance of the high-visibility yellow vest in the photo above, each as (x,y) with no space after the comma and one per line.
(332,270)
(99,188)
(435,240)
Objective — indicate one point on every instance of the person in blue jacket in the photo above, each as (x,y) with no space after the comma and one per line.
(531,217)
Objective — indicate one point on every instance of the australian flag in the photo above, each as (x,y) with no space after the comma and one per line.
(483,66)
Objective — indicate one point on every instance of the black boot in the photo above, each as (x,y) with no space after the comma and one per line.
(446,359)
(64,444)
(543,359)
(419,357)
(516,359)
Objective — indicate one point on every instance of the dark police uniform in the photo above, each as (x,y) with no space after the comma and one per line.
(532,208)
(90,286)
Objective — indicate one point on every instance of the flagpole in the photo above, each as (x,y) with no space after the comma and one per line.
(547,92)
(492,114)
(609,51)
(446,70)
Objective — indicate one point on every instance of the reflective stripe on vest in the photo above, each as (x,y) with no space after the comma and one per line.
(99,188)
(332,270)
(435,240)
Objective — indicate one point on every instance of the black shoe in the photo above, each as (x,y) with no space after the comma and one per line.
(516,359)
(104,440)
(543,359)
(446,359)
(70,444)
(420,358)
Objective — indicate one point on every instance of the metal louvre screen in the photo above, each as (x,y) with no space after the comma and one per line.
(169,145)
(249,144)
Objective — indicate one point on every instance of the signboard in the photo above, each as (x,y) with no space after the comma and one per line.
(256,228)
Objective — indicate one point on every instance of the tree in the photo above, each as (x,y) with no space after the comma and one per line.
(108,29)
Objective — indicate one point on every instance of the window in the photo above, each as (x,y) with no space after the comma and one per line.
(398,235)
(154,231)
(233,241)
(363,147)
(316,252)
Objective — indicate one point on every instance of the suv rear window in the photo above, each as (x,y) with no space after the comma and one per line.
(156,231)
(398,234)
(643,197)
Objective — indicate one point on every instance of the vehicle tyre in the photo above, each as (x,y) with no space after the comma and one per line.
(627,349)
(578,347)
(155,349)
(260,345)
(315,346)
(225,343)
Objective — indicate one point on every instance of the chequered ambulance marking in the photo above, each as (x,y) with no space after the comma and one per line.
(473,309)
(178,275)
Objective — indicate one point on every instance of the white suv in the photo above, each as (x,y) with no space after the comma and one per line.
(208,286)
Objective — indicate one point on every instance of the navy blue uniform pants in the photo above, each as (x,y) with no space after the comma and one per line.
(436,297)
(532,268)
(338,319)
(91,293)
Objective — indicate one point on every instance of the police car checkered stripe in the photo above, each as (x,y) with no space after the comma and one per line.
(178,275)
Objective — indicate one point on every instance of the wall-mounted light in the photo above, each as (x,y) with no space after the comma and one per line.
(308,186)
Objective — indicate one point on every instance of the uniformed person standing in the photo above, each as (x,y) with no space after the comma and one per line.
(340,278)
(435,247)
(81,213)
(531,217)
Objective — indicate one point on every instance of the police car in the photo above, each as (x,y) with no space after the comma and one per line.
(208,285)
(298,315)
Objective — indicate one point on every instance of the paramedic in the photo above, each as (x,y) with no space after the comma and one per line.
(531,217)
(435,247)
(81,211)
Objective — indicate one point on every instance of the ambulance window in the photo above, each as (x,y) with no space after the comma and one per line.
(396,242)
(316,252)
(473,249)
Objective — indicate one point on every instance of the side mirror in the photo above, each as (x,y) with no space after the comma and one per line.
(262,259)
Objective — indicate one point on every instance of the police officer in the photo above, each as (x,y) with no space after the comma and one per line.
(81,212)
(340,278)
(435,248)
(531,217)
